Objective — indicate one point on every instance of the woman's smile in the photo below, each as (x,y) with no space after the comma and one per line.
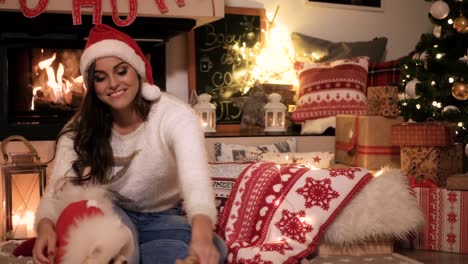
(117,93)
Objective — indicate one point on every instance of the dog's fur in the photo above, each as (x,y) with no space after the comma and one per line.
(188,260)
(98,239)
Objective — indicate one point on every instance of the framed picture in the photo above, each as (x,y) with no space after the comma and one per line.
(367,5)
(216,59)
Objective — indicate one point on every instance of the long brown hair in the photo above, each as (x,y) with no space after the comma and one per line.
(90,129)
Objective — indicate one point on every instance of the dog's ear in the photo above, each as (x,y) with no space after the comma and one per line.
(128,248)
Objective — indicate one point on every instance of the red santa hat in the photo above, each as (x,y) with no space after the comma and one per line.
(104,41)
(71,216)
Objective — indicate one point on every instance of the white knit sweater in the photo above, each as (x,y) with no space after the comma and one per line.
(170,163)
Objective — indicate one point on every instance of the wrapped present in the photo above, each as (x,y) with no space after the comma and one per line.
(365,141)
(371,247)
(446,227)
(432,163)
(424,134)
(458,182)
(383,101)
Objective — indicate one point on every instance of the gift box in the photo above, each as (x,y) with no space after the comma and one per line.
(365,141)
(383,101)
(446,226)
(458,182)
(432,163)
(424,134)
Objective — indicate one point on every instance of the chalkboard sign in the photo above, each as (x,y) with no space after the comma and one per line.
(216,66)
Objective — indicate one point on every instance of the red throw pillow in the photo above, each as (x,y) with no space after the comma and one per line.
(332,88)
(385,73)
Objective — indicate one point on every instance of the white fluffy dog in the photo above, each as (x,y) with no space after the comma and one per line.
(88,229)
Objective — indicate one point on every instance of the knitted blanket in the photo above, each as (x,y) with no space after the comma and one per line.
(276,213)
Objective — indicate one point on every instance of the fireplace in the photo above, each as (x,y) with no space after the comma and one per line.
(40,83)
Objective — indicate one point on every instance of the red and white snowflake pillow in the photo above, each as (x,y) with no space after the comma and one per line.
(320,160)
(277,213)
(331,88)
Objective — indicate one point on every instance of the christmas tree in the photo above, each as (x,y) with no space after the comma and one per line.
(434,82)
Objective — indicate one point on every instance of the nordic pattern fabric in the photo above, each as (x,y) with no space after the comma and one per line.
(276,214)
(322,160)
(223,177)
(331,88)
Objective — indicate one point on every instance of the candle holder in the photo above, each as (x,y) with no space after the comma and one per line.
(275,114)
(207,113)
(23,182)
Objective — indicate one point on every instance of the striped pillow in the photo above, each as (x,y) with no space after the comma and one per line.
(332,88)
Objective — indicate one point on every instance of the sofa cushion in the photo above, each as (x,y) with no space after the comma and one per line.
(331,88)
(304,46)
(234,152)
(223,177)
(317,159)
(385,73)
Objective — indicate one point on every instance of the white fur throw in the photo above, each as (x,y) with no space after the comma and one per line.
(385,208)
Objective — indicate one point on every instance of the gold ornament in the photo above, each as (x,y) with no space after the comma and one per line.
(460,91)
(461,24)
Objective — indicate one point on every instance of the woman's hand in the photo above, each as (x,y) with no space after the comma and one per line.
(201,245)
(45,242)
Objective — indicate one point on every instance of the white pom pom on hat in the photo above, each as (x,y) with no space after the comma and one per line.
(105,41)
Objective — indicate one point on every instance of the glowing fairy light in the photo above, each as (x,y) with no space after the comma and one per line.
(418,106)
(378,173)
(278,201)
(316,56)
(273,64)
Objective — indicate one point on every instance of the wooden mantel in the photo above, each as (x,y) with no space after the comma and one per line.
(203,11)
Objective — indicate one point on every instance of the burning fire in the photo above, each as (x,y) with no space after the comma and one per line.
(60,84)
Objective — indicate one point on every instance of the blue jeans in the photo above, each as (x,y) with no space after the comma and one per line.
(164,237)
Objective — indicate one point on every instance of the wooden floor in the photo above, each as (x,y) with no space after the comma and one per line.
(434,257)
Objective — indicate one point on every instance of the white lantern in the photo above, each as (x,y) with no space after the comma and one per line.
(207,112)
(275,114)
(23,182)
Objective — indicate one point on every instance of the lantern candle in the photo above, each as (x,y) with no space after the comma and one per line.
(207,112)
(275,114)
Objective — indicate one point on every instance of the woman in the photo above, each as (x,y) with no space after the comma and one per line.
(144,145)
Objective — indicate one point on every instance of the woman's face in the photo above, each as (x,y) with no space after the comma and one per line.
(116,83)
